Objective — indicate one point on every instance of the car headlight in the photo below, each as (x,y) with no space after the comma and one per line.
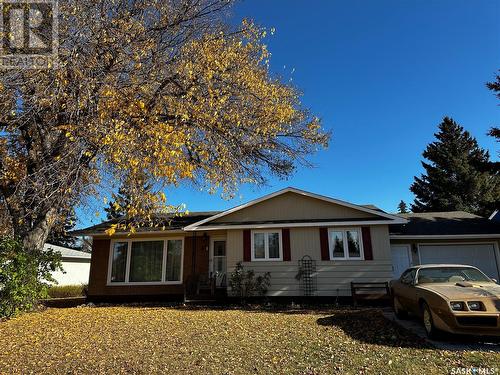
(475,306)
(457,306)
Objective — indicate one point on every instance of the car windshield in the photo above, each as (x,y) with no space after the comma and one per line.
(450,275)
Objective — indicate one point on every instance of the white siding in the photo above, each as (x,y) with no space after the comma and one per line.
(333,277)
(77,272)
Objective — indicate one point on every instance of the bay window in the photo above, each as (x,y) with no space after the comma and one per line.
(266,245)
(146,262)
(345,243)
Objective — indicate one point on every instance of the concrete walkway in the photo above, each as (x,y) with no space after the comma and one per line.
(449,342)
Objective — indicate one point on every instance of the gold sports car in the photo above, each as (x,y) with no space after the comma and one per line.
(452,298)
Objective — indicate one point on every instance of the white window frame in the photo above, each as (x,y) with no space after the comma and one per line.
(266,245)
(129,254)
(344,242)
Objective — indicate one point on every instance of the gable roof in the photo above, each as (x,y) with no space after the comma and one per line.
(67,252)
(453,223)
(205,220)
(379,216)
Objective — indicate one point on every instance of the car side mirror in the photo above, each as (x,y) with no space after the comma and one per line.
(495,280)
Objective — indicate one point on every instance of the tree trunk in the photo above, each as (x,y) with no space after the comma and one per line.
(34,238)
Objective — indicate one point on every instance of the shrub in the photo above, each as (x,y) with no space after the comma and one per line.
(244,283)
(24,276)
(66,291)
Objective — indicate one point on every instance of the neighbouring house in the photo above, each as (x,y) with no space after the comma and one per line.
(75,263)
(312,245)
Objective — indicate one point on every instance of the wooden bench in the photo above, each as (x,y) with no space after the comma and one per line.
(369,291)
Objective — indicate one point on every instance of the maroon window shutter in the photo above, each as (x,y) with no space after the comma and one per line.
(367,243)
(323,239)
(246,246)
(287,255)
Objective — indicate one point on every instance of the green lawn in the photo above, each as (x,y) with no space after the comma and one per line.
(170,340)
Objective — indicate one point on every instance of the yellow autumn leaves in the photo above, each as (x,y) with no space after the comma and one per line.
(156,340)
(152,98)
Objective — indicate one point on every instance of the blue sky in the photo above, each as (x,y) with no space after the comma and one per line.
(381,75)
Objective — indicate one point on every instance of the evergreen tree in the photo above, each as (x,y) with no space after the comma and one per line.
(495,87)
(123,199)
(495,132)
(117,206)
(59,233)
(402,207)
(457,175)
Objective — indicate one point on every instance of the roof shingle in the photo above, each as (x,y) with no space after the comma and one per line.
(170,222)
(444,223)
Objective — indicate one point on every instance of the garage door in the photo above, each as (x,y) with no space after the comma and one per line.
(481,256)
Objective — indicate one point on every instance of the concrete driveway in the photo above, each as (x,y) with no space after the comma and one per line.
(449,342)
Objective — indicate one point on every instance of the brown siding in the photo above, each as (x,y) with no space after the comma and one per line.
(98,266)
(99,274)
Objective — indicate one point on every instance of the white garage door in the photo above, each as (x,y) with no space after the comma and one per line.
(481,256)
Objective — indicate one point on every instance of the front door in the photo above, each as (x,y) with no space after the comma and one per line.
(218,261)
(400,259)
(201,256)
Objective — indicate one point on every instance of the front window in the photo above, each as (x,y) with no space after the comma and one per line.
(146,261)
(266,245)
(156,262)
(337,239)
(119,262)
(174,260)
(450,275)
(345,244)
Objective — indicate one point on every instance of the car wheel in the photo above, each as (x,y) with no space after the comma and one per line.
(430,328)
(398,309)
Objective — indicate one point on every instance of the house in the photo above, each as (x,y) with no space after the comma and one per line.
(311,244)
(76,266)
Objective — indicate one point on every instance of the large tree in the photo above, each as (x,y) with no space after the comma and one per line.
(457,174)
(161,89)
(5,223)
